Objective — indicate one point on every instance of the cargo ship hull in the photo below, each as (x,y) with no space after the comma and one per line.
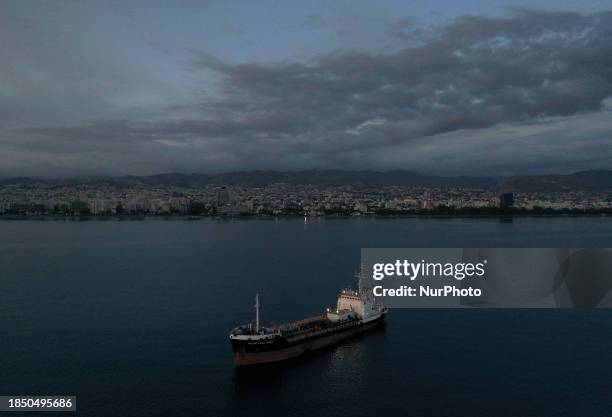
(280,349)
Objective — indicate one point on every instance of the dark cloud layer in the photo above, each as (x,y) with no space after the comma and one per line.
(475,72)
(339,109)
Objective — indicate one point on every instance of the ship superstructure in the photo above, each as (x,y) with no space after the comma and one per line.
(356,312)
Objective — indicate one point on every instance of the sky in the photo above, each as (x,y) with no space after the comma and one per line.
(436,87)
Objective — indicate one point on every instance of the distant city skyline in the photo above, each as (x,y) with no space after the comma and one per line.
(434,87)
(103,199)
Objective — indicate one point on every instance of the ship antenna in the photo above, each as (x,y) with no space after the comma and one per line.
(256,313)
(359,276)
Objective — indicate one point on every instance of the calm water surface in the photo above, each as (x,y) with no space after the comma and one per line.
(133,318)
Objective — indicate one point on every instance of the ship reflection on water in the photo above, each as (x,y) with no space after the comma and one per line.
(334,366)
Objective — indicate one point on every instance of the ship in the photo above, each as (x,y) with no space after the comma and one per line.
(356,311)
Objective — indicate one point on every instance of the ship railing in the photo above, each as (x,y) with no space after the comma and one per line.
(305,334)
(297,323)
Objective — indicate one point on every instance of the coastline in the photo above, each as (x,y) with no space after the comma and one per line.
(180,217)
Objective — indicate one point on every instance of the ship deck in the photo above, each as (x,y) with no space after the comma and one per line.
(313,326)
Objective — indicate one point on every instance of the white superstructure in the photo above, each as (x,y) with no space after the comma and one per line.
(359,304)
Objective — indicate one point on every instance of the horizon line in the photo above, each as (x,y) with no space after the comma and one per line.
(275,171)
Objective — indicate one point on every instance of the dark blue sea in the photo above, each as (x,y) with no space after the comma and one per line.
(133,317)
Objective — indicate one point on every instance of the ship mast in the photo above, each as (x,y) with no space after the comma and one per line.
(256,313)
(359,276)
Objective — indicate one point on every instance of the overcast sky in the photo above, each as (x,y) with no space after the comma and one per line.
(438,87)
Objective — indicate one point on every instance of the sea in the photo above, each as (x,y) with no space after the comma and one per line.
(133,318)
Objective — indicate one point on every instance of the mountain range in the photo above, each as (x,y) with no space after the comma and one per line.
(587,181)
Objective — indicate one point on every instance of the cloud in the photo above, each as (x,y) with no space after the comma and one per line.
(475,72)
(346,109)
(579,142)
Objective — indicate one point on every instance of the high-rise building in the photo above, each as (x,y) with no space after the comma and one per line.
(224,197)
(506,200)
